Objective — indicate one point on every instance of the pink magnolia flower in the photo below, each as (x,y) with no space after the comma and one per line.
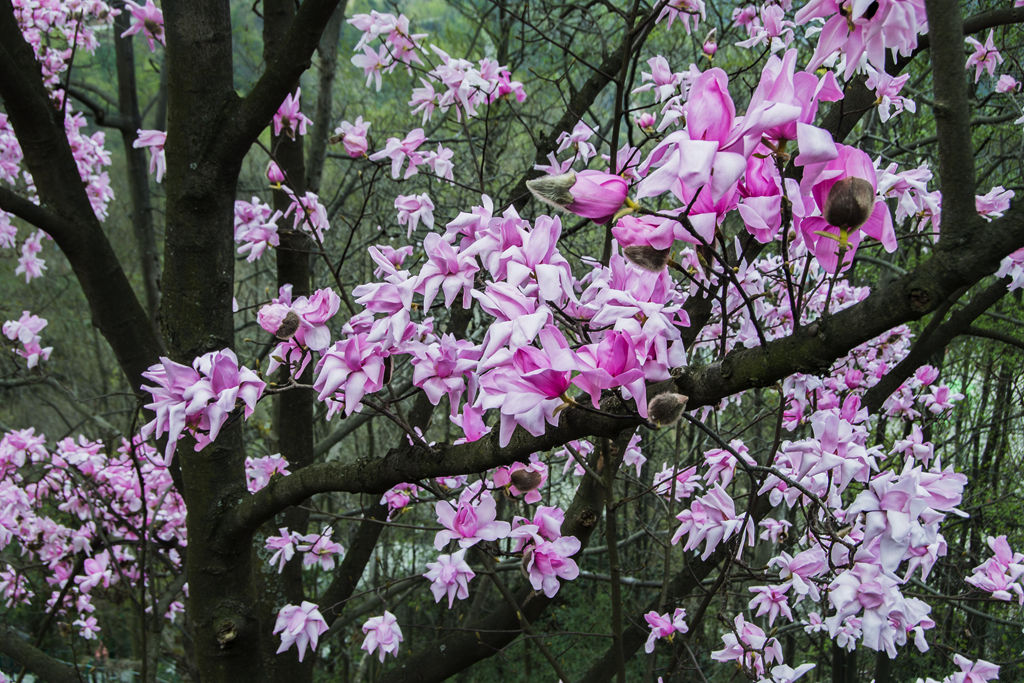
(612,363)
(1007,84)
(548,561)
(977,671)
(255,227)
(155,141)
(26,331)
(993,203)
(985,56)
(400,151)
(664,626)
(198,398)
(29,263)
(450,576)
(472,521)
(260,471)
(712,519)
(319,549)
(299,625)
(748,645)
(275,175)
(676,484)
(289,119)
(414,208)
(684,11)
(770,600)
(303,319)
(148,19)
(353,367)
(382,634)
(397,497)
(283,547)
(353,137)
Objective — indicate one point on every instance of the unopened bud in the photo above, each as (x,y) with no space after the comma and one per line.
(553,189)
(647,257)
(288,326)
(665,409)
(525,480)
(849,203)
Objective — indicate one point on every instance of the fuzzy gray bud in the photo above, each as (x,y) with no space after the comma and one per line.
(849,203)
(665,409)
(647,257)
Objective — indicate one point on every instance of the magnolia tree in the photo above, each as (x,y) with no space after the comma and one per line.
(640,316)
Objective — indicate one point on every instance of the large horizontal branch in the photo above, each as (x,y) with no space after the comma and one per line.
(35,660)
(292,59)
(412,463)
(39,127)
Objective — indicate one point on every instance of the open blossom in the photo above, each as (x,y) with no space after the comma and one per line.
(522,479)
(450,576)
(255,227)
(289,120)
(148,19)
(155,141)
(353,137)
(303,318)
(664,626)
(259,471)
(319,549)
(29,263)
(414,208)
(353,367)
(299,625)
(748,645)
(993,203)
(198,398)
(548,561)
(283,547)
(26,330)
(985,56)
(382,634)
(770,600)
(471,521)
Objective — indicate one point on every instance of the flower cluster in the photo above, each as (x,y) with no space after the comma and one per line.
(25,330)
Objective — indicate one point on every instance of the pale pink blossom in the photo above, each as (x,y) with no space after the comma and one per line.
(148,19)
(450,576)
(470,522)
(299,625)
(985,56)
(382,634)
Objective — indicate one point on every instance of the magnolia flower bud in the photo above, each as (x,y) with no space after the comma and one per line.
(525,480)
(665,409)
(647,257)
(592,194)
(849,203)
(288,326)
(274,174)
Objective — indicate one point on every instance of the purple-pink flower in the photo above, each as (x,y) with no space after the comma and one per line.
(148,19)
(471,521)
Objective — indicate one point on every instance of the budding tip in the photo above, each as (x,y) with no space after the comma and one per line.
(553,189)
(665,409)
(647,257)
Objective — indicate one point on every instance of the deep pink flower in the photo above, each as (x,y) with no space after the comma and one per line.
(353,137)
(289,120)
